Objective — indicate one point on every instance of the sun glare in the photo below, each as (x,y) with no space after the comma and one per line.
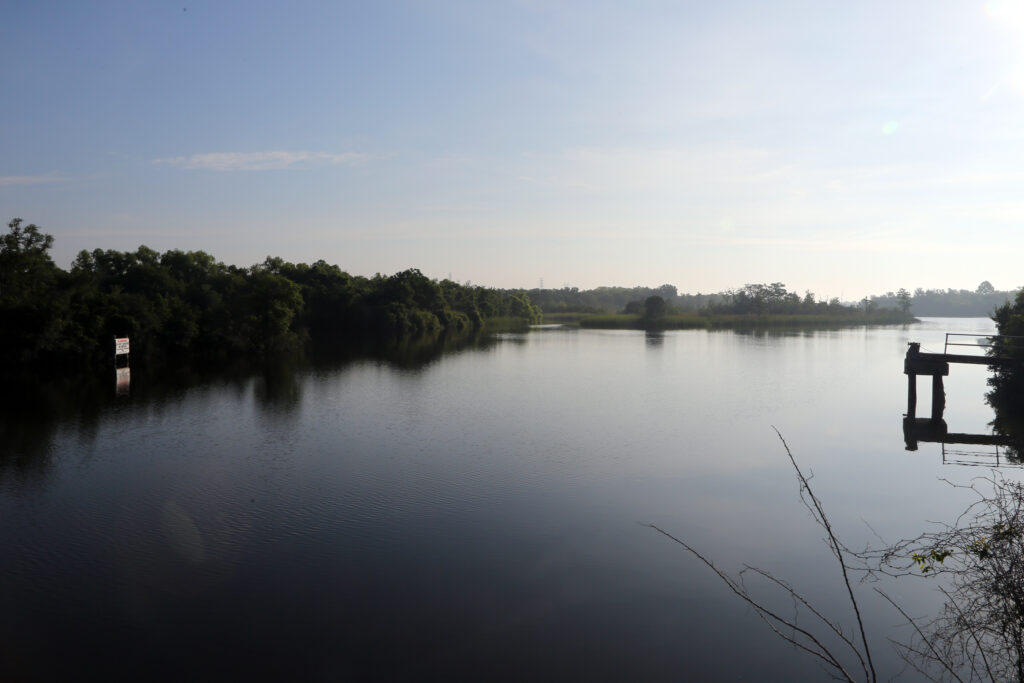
(1008,15)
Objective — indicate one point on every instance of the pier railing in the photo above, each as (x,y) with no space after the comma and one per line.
(980,342)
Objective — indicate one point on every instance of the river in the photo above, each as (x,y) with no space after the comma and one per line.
(478,515)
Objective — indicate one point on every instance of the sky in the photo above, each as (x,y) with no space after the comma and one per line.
(844,148)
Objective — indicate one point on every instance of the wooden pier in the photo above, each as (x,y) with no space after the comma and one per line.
(936,365)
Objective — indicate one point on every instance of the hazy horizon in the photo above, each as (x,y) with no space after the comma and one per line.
(847,150)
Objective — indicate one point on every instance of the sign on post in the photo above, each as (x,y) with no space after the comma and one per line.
(121,346)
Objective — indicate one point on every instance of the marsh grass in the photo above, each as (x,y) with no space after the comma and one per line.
(628,321)
(689,321)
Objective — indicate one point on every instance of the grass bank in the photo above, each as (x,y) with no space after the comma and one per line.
(691,321)
(629,321)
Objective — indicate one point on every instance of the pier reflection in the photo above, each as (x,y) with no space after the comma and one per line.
(1005,446)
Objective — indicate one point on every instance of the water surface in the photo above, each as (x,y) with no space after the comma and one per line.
(477,515)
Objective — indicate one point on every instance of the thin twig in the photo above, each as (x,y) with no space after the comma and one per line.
(823,520)
(924,638)
(823,653)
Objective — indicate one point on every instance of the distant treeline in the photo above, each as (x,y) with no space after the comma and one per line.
(770,298)
(615,299)
(665,307)
(774,299)
(980,303)
(182,302)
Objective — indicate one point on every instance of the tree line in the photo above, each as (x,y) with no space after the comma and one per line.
(614,299)
(964,303)
(773,299)
(769,298)
(187,302)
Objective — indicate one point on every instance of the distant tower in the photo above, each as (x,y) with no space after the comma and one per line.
(541,284)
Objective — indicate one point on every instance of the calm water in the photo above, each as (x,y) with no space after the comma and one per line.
(478,516)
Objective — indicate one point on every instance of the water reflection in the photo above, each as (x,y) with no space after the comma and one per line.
(122,381)
(31,413)
(1001,447)
(1007,399)
(34,410)
(395,526)
(410,353)
(916,429)
(278,387)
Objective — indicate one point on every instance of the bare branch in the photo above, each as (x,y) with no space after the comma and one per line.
(837,550)
(819,650)
(920,633)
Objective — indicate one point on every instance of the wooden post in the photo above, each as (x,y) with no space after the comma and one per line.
(938,397)
(911,395)
(909,369)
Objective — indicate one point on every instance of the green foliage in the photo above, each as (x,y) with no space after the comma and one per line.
(189,303)
(26,271)
(926,560)
(772,303)
(1007,381)
(615,299)
(754,306)
(655,308)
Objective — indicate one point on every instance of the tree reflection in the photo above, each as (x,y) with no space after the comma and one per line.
(1007,400)
(654,338)
(278,387)
(34,409)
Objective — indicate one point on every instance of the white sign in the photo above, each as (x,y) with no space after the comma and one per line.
(120,346)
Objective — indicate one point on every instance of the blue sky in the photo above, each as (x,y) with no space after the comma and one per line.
(846,148)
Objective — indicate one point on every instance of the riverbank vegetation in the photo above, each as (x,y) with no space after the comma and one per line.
(753,305)
(578,304)
(186,303)
(1006,395)
(949,303)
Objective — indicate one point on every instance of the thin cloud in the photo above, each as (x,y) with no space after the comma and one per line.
(30,179)
(259,161)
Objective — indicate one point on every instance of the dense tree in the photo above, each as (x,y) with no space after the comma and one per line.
(26,270)
(613,299)
(654,308)
(1007,381)
(188,302)
(774,299)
